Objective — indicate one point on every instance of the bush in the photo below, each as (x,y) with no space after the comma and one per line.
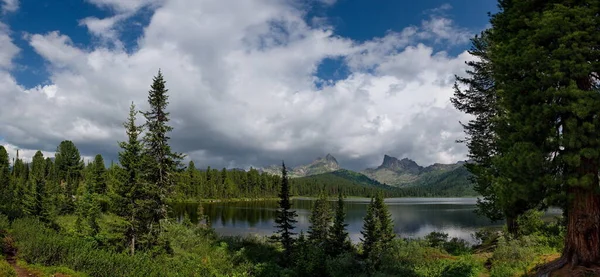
(436,239)
(196,257)
(462,268)
(515,257)
(457,246)
(6,269)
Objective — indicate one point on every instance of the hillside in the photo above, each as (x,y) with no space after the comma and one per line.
(407,173)
(318,166)
(350,182)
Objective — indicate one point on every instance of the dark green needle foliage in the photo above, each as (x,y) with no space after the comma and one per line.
(286,217)
(320,220)
(339,242)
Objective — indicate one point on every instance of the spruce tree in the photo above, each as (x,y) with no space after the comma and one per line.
(160,162)
(98,177)
(320,220)
(371,232)
(339,241)
(132,190)
(69,166)
(38,204)
(286,217)
(385,221)
(545,65)
(5,186)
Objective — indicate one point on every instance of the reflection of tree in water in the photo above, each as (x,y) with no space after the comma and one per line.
(410,219)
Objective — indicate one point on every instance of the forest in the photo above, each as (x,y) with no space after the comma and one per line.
(534,139)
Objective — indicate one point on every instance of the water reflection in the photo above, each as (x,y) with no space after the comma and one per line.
(413,217)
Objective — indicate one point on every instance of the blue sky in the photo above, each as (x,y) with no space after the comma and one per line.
(253,82)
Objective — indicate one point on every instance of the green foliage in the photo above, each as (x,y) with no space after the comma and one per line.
(68,166)
(159,165)
(320,221)
(286,217)
(517,256)
(339,241)
(197,255)
(6,269)
(436,239)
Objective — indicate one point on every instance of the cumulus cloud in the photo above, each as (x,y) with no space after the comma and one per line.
(8,50)
(242,80)
(9,6)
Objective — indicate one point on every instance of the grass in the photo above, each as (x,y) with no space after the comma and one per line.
(49,271)
(6,269)
(199,251)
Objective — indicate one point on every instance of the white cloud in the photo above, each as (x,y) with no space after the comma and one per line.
(10,6)
(8,50)
(242,78)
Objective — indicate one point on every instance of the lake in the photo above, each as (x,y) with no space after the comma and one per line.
(413,217)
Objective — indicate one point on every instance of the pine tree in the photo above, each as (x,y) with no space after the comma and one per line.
(339,241)
(132,189)
(286,217)
(545,66)
(320,219)
(38,204)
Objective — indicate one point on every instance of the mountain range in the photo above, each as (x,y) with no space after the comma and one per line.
(452,179)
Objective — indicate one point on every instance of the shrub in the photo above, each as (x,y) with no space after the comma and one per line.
(515,257)
(436,239)
(456,246)
(195,256)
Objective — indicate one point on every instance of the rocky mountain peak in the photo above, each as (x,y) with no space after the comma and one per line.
(404,165)
(331,158)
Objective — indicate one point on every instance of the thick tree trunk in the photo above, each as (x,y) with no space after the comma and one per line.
(511,225)
(582,242)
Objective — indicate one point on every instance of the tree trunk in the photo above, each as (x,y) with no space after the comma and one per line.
(582,242)
(132,245)
(511,225)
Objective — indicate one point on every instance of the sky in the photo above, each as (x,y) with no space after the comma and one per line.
(250,82)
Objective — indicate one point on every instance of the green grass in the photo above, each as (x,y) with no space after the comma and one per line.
(6,269)
(49,271)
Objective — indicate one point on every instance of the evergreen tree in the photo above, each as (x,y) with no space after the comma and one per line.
(5,186)
(132,190)
(545,66)
(98,178)
(385,222)
(286,217)
(38,204)
(371,232)
(160,162)
(69,166)
(339,241)
(320,219)
(88,212)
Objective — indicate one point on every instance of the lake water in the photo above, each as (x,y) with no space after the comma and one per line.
(413,217)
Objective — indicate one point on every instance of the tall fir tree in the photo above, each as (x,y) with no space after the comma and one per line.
(385,221)
(160,162)
(5,181)
(132,191)
(339,241)
(545,65)
(320,221)
(371,231)
(38,204)
(286,217)
(69,166)
(98,176)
